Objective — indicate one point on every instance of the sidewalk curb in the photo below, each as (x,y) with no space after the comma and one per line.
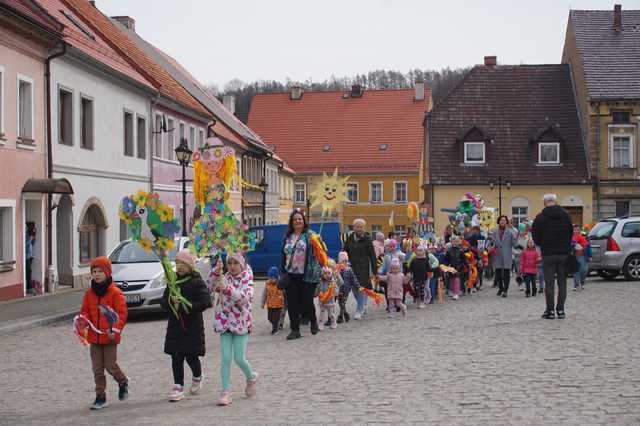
(33,323)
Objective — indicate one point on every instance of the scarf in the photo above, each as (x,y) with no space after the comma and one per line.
(100,289)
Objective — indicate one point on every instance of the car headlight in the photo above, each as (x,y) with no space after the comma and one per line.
(159,281)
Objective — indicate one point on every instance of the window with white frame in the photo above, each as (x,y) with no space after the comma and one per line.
(65,116)
(375,192)
(400,230)
(7,235)
(25,109)
(400,192)
(181,133)
(128,134)
(376,228)
(474,153)
(1,101)
(352,192)
(621,151)
(300,192)
(549,153)
(192,138)
(200,138)
(142,137)
(171,139)
(91,238)
(519,210)
(86,122)
(157,136)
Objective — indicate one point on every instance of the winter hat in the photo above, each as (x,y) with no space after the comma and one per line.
(238,257)
(326,270)
(380,236)
(273,273)
(395,262)
(185,257)
(103,263)
(343,257)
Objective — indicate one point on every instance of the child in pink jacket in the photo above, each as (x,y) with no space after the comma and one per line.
(529,261)
(395,280)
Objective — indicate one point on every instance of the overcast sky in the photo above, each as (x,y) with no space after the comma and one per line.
(218,40)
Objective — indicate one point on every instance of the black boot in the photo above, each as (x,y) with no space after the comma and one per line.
(340,319)
(294,335)
(314,327)
(499,292)
(534,291)
(346,317)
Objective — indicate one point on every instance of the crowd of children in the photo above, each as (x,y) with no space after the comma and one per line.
(425,269)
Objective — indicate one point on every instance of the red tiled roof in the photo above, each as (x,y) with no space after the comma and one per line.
(352,128)
(168,87)
(36,14)
(96,48)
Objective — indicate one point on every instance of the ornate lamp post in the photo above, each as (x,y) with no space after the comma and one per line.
(499,181)
(263,186)
(183,154)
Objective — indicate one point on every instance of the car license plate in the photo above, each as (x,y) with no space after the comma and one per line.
(132,298)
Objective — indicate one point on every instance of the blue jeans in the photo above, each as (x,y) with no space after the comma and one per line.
(433,284)
(580,277)
(361,300)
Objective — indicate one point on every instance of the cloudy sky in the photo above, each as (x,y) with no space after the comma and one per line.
(218,40)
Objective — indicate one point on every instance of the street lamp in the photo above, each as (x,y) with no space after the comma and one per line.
(309,210)
(499,181)
(183,154)
(263,187)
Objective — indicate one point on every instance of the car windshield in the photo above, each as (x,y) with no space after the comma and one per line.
(602,230)
(132,252)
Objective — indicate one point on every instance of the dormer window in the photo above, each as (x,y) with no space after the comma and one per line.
(548,153)
(383,147)
(474,153)
(326,148)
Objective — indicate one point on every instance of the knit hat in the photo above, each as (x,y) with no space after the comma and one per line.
(273,273)
(343,257)
(185,257)
(395,262)
(380,236)
(238,257)
(103,263)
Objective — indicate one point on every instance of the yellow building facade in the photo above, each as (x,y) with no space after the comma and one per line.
(520,202)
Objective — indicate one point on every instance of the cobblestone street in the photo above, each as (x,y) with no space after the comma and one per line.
(480,360)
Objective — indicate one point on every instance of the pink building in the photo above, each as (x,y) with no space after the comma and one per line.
(27,38)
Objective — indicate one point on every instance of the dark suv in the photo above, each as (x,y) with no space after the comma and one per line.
(616,248)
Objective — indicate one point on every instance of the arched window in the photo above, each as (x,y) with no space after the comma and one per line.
(92,229)
(519,210)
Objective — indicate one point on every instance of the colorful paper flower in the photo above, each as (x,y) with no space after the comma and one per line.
(140,198)
(165,212)
(153,201)
(146,244)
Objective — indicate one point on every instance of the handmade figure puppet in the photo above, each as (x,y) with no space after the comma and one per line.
(217,230)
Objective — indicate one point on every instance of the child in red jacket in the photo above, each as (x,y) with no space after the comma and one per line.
(105,308)
(529,261)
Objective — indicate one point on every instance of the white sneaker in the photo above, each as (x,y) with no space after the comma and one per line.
(473,290)
(177,393)
(390,315)
(320,325)
(196,384)
(404,310)
(455,297)
(420,306)
(575,289)
(357,316)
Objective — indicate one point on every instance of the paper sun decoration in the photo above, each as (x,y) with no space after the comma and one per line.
(330,192)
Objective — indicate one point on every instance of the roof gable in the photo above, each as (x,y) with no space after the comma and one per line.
(380,132)
(510,106)
(610,58)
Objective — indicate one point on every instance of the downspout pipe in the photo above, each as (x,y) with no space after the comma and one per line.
(47,82)
(152,123)
(599,153)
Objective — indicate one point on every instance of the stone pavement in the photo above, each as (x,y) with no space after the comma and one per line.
(34,311)
(480,360)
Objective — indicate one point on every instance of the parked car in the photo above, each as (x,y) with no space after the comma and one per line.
(140,276)
(269,244)
(615,243)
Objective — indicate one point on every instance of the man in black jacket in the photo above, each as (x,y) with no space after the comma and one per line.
(362,255)
(552,230)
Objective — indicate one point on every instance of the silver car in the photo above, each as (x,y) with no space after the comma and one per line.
(615,243)
(140,276)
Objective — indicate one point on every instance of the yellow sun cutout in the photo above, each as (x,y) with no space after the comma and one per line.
(330,192)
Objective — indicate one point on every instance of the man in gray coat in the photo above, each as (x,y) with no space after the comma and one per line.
(504,239)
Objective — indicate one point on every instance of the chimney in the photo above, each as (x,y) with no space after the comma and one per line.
(229,102)
(126,21)
(617,17)
(356,91)
(419,87)
(296,93)
(490,61)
